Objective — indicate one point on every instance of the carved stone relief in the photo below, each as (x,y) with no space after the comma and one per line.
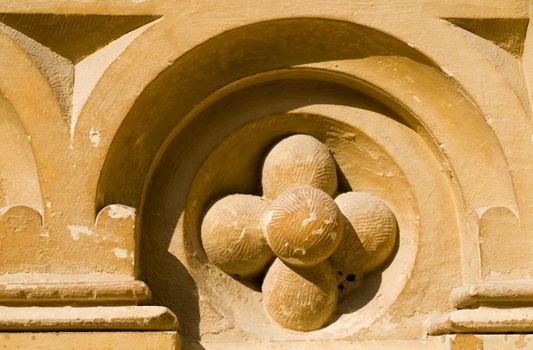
(320,245)
(339,174)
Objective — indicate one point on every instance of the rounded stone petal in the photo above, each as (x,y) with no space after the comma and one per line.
(303,226)
(369,236)
(232,236)
(296,161)
(300,298)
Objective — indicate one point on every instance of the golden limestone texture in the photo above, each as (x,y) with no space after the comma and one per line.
(232,235)
(238,174)
(300,298)
(303,226)
(369,235)
(297,161)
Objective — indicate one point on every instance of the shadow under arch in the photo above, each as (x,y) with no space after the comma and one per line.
(204,70)
(19,179)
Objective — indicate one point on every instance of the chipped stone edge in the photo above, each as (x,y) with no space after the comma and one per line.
(132,292)
(483,320)
(121,318)
(491,293)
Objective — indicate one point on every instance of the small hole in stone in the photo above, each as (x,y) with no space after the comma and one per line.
(237,275)
(339,272)
(350,277)
(341,286)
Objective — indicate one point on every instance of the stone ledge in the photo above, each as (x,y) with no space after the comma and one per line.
(123,318)
(443,342)
(80,293)
(482,320)
(91,340)
(423,344)
(493,293)
(172,340)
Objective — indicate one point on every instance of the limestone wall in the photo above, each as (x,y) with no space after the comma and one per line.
(266,174)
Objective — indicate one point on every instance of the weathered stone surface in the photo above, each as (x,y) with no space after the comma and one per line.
(65,292)
(486,320)
(125,126)
(138,318)
(90,340)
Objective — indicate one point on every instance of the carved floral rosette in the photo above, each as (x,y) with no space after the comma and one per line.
(405,119)
(320,244)
(132,131)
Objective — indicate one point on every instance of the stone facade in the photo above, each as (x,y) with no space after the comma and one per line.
(273,174)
